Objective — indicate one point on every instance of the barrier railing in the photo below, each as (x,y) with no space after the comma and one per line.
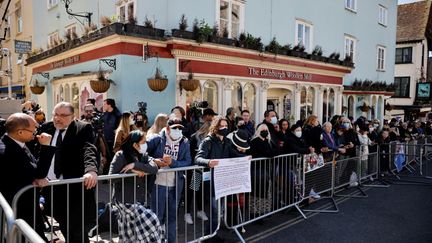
(22,232)
(276,186)
(7,219)
(278,183)
(128,201)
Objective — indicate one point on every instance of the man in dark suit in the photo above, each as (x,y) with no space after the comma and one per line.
(75,157)
(20,168)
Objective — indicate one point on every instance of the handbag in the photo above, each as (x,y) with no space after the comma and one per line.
(196,180)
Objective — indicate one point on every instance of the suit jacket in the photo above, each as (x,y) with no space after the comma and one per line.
(78,153)
(19,169)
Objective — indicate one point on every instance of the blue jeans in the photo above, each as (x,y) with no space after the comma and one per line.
(162,197)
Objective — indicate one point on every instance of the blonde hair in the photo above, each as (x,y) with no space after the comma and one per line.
(159,123)
(258,130)
(124,124)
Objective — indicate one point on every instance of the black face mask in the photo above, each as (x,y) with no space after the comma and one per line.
(264,134)
(223,132)
(140,123)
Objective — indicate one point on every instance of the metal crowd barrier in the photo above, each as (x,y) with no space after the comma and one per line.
(22,232)
(7,219)
(102,223)
(276,186)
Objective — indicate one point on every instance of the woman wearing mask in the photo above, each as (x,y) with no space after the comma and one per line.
(365,142)
(216,146)
(295,143)
(284,131)
(312,132)
(329,142)
(181,113)
(132,158)
(126,125)
(262,144)
(141,122)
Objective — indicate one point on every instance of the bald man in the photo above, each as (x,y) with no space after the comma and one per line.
(19,168)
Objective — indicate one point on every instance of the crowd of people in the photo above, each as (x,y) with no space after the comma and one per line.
(112,142)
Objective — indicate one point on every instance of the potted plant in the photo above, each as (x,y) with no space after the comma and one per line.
(273,46)
(36,88)
(299,51)
(189,84)
(181,32)
(158,82)
(317,54)
(364,107)
(204,32)
(253,43)
(102,83)
(286,49)
(334,58)
(131,28)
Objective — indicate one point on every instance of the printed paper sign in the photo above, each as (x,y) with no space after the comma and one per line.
(232,176)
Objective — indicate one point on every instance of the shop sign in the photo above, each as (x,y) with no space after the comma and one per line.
(278,74)
(65,62)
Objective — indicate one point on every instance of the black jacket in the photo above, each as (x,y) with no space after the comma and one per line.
(262,148)
(312,136)
(294,144)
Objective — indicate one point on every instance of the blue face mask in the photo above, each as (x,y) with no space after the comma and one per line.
(346,125)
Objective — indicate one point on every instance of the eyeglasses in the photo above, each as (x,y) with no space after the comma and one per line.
(33,132)
(88,111)
(61,115)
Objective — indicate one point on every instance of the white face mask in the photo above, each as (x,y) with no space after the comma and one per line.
(365,135)
(358,129)
(298,134)
(175,134)
(132,122)
(376,125)
(143,148)
(273,120)
(371,129)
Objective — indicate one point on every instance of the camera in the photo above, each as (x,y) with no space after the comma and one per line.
(142,107)
(97,121)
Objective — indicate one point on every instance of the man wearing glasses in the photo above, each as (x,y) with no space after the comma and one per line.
(75,157)
(17,160)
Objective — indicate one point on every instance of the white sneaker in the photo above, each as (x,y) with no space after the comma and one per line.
(202,215)
(188,218)
(314,195)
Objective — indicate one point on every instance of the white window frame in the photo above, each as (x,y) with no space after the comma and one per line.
(19,19)
(241,4)
(347,41)
(382,15)
(351,5)
(308,48)
(52,3)
(381,52)
(125,4)
(51,37)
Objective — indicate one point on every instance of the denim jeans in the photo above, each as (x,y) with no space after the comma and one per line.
(162,197)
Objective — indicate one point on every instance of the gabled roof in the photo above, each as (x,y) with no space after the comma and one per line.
(413,20)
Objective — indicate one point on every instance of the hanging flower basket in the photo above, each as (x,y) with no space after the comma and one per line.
(364,107)
(189,84)
(37,90)
(101,84)
(159,82)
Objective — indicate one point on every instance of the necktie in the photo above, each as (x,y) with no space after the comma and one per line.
(57,163)
(30,155)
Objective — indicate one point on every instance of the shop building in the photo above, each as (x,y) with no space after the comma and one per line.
(255,72)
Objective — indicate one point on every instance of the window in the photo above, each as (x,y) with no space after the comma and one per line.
(249,97)
(52,3)
(350,44)
(126,10)
(304,35)
(351,5)
(230,17)
(19,18)
(71,31)
(53,39)
(307,99)
(210,94)
(402,87)
(382,15)
(403,55)
(8,27)
(237,97)
(381,58)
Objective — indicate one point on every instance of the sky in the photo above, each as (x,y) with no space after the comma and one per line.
(407,1)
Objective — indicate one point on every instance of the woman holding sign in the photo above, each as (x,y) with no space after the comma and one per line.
(216,146)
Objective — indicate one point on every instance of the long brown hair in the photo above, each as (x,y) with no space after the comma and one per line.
(159,123)
(215,125)
(124,124)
